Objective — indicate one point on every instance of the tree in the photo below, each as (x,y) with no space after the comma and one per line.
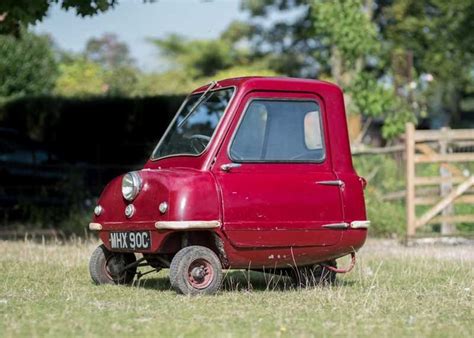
(17,13)
(104,68)
(335,40)
(27,65)
(197,58)
(281,34)
(196,62)
(113,56)
(81,77)
(346,28)
(108,51)
(438,35)
(121,81)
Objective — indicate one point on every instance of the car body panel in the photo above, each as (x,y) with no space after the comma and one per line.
(269,214)
(278,204)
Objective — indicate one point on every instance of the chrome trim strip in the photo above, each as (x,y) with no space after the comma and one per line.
(338,183)
(342,225)
(360,224)
(95,226)
(184,225)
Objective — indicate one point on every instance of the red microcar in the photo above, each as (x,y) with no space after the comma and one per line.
(252,173)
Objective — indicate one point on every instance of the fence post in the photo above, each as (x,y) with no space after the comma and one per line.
(447,228)
(410,178)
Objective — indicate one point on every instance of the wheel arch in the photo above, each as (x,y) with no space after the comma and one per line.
(210,239)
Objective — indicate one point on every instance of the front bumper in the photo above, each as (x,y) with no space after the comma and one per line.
(159,231)
(360,224)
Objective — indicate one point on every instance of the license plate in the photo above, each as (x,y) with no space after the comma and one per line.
(130,240)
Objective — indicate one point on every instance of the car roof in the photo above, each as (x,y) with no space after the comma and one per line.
(263,82)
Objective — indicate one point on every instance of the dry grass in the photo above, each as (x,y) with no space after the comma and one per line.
(394,291)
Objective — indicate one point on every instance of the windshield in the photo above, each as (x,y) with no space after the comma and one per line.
(192,130)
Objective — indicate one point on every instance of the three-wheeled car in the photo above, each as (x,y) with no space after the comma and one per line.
(252,173)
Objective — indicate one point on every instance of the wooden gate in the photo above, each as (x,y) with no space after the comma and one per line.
(450,153)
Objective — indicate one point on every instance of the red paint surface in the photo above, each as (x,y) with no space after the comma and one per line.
(271,213)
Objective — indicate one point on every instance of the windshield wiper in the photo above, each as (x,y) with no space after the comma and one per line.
(198,102)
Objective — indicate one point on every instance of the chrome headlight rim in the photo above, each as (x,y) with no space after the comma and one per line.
(131,185)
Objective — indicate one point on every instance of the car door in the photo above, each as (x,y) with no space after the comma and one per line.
(274,171)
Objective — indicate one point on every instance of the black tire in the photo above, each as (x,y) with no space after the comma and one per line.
(105,266)
(314,275)
(196,270)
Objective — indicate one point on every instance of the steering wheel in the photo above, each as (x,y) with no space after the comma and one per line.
(199,140)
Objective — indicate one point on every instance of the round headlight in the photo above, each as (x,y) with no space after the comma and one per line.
(131,185)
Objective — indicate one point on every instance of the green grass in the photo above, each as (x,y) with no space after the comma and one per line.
(394,291)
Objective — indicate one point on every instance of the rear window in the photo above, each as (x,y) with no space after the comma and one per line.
(279,131)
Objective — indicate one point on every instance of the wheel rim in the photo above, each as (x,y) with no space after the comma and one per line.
(112,267)
(200,274)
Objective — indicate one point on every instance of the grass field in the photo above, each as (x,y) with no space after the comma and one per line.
(394,291)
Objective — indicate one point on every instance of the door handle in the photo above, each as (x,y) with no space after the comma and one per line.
(337,183)
(228,166)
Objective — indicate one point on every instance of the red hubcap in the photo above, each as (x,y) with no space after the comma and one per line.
(200,274)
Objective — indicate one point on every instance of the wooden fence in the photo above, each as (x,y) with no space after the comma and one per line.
(452,152)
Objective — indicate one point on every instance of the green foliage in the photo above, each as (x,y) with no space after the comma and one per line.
(196,62)
(81,77)
(236,31)
(108,51)
(338,40)
(240,71)
(105,68)
(387,218)
(23,12)
(198,58)
(166,83)
(347,26)
(373,100)
(281,32)
(27,66)
(384,176)
(439,35)
(178,82)
(122,81)
(438,32)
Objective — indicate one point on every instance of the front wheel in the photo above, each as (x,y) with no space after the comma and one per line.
(196,270)
(107,267)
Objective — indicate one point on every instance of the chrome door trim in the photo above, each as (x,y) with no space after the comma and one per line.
(342,225)
(337,183)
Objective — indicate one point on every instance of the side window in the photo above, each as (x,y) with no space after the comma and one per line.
(279,130)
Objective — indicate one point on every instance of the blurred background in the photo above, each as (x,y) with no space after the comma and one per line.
(87,87)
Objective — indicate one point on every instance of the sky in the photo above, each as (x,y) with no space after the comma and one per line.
(134,21)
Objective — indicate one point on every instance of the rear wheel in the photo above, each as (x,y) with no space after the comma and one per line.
(196,270)
(313,275)
(107,267)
